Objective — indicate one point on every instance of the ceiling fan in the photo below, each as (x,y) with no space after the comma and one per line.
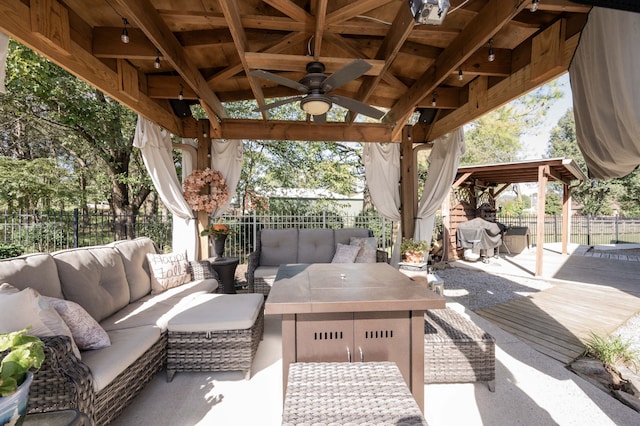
(316,86)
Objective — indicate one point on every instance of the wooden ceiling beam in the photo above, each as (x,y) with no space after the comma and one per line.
(305,131)
(144,15)
(512,87)
(292,10)
(402,25)
(353,9)
(269,61)
(81,63)
(321,17)
(232,14)
(493,16)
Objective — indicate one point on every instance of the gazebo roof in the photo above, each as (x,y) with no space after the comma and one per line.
(207,49)
(564,170)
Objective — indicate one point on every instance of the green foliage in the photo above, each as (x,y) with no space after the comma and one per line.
(553,204)
(10,250)
(409,245)
(370,219)
(25,353)
(610,350)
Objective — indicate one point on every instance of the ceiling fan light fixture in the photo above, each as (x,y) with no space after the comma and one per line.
(316,105)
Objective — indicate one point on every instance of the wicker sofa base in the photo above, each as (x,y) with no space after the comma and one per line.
(456,350)
(354,393)
(225,350)
(260,286)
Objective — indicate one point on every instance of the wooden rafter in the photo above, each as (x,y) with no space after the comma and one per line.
(321,16)
(144,15)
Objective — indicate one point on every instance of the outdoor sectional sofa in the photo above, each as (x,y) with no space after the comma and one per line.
(113,283)
(276,247)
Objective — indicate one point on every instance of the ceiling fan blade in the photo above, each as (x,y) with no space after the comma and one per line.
(283,81)
(345,74)
(357,106)
(277,103)
(320,119)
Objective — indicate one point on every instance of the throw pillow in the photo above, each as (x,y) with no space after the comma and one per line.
(26,308)
(345,253)
(202,270)
(85,330)
(368,247)
(168,271)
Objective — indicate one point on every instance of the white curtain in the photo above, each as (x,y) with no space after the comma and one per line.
(227,159)
(155,145)
(382,172)
(605,83)
(4,50)
(443,165)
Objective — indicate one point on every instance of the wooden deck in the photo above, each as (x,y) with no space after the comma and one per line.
(556,321)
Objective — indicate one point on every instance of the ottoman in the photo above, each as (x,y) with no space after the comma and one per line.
(349,393)
(219,332)
(456,350)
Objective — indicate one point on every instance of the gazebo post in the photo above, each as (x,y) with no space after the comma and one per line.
(203,161)
(543,173)
(408,202)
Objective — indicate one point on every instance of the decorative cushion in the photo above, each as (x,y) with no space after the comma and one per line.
(345,253)
(168,271)
(202,270)
(86,332)
(26,308)
(368,247)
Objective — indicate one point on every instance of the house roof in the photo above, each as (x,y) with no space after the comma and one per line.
(208,48)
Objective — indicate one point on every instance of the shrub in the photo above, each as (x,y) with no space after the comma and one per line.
(10,250)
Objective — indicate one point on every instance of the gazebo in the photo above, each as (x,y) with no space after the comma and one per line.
(484,183)
(444,63)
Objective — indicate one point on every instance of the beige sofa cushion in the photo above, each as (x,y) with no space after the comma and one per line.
(134,257)
(126,346)
(37,271)
(157,309)
(94,278)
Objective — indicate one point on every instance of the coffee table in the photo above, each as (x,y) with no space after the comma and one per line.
(357,312)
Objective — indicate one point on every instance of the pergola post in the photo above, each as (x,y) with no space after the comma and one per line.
(543,173)
(203,161)
(566,214)
(408,200)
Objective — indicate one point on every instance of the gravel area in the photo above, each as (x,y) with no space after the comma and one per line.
(479,290)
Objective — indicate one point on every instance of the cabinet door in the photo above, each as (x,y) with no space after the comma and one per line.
(324,337)
(384,336)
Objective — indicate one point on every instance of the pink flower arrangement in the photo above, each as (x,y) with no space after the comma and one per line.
(196,181)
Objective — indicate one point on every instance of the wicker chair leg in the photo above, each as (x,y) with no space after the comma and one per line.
(170,374)
(492,385)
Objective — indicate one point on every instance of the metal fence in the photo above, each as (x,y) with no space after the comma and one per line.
(587,230)
(37,232)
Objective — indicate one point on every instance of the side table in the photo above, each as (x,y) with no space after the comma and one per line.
(225,267)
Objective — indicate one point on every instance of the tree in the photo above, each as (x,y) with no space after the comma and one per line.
(495,137)
(88,131)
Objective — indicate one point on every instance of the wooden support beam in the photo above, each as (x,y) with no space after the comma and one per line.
(303,131)
(321,17)
(50,21)
(408,174)
(143,14)
(81,63)
(566,216)
(203,161)
(543,172)
(547,52)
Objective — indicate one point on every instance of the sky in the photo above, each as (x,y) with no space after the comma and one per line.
(535,146)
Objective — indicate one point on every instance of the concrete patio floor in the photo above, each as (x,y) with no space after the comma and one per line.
(531,388)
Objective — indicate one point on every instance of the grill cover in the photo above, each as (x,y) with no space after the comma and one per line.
(479,233)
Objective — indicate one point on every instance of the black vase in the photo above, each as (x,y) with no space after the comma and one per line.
(218,245)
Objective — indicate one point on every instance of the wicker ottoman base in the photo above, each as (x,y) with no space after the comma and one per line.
(353,393)
(218,350)
(456,350)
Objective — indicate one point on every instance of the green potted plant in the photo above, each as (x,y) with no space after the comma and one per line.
(218,232)
(21,354)
(413,250)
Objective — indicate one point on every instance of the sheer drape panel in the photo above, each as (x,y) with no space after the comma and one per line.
(156,147)
(227,159)
(382,172)
(605,83)
(443,165)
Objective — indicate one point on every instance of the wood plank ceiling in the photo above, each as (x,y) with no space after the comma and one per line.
(207,49)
